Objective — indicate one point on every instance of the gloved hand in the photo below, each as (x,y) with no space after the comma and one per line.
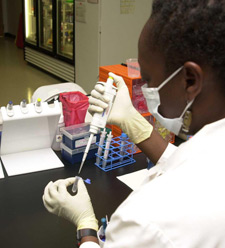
(75,208)
(123,113)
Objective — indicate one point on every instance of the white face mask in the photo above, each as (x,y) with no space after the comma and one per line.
(153,101)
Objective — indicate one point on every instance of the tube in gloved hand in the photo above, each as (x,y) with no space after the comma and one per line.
(74,188)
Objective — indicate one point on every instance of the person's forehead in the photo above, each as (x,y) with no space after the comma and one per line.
(147,48)
(149,55)
(145,36)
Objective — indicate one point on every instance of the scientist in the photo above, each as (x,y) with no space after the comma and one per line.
(181,202)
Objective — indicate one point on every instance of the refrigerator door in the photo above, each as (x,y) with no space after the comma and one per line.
(65,28)
(46,24)
(30,21)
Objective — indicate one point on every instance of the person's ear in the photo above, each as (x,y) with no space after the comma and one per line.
(193,75)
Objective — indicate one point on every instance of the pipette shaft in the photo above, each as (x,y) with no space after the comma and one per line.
(86,151)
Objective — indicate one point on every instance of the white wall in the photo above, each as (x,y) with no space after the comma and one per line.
(120,32)
(108,37)
(86,48)
(11,13)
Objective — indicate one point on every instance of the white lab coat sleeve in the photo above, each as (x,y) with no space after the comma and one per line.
(167,153)
(129,234)
(117,235)
(161,167)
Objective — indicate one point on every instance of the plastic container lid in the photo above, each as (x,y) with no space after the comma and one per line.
(123,135)
(77,150)
(76,131)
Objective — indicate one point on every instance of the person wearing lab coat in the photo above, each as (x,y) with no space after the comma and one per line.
(181,202)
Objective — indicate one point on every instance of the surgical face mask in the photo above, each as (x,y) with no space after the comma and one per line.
(153,101)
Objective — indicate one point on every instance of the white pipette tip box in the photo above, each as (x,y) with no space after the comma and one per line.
(77,136)
(76,155)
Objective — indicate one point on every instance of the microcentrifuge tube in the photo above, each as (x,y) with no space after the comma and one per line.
(9,109)
(38,107)
(74,188)
(107,146)
(23,106)
(99,152)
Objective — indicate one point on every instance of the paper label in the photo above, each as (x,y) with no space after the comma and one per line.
(80,12)
(127,6)
(83,142)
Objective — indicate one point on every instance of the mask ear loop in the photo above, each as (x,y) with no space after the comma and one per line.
(170,77)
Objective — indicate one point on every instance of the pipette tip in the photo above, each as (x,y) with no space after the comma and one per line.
(82,163)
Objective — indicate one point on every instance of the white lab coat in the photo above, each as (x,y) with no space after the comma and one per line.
(181,202)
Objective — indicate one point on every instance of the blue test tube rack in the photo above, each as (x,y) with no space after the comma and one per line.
(115,159)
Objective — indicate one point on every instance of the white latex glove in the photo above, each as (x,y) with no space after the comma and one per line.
(75,208)
(123,113)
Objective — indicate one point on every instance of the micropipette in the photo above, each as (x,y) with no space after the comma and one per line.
(99,119)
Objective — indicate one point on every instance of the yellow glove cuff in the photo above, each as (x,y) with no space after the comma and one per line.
(89,222)
(137,127)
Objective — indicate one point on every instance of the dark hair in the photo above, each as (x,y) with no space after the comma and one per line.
(190,30)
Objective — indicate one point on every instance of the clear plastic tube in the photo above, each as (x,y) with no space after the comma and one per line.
(74,188)
(101,142)
(9,109)
(106,152)
(38,107)
(23,106)
(122,148)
